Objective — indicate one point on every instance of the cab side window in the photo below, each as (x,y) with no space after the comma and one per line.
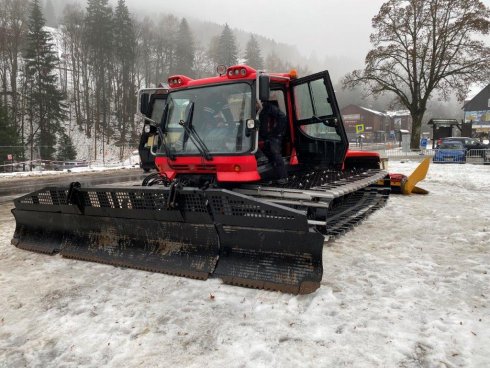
(278,95)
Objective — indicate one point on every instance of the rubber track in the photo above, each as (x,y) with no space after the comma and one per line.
(351,214)
(347,210)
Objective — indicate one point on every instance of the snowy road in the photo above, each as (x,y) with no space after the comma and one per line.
(23,183)
(409,287)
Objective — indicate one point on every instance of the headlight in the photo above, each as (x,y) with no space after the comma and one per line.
(250,123)
(147,128)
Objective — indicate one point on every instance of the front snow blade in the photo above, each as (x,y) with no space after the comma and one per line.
(265,245)
(129,227)
(187,232)
(38,227)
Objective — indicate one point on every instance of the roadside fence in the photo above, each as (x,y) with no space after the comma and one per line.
(473,156)
(45,165)
(9,162)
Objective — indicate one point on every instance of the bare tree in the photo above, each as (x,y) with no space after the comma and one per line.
(124,78)
(13,25)
(422,47)
(99,39)
(274,63)
(164,48)
(72,31)
(146,36)
(203,65)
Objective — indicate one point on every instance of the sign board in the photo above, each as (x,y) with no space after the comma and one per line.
(359,128)
(10,157)
(351,117)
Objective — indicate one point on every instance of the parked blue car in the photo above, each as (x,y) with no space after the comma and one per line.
(450,152)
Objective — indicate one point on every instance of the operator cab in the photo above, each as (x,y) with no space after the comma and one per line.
(210,127)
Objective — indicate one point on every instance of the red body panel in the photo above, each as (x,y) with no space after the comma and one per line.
(361,154)
(226,168)
(251,75)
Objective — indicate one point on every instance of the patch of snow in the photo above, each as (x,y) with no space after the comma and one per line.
(375,112)
(409,287)
(132,161)
(398,113)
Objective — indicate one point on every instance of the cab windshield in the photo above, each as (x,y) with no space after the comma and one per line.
(216,114)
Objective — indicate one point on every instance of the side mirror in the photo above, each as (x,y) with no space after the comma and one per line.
(264,87)
(144,103)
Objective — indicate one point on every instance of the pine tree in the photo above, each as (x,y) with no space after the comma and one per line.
(253,56)
(124,33)
(66,149)
(185,51)
(45,100)
(228,53)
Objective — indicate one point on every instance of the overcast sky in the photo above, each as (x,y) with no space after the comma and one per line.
(323,27)
(334,27)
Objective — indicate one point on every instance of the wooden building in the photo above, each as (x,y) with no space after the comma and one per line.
(358,120)
(375,126)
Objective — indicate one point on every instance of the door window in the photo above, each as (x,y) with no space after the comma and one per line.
(314,111)
(157,112)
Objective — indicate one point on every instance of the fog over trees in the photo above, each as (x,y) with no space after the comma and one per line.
(70,71)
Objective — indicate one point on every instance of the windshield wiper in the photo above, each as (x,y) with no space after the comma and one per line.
(327,121)
(192,134)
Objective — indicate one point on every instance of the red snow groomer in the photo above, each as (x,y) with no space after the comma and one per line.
(215,206)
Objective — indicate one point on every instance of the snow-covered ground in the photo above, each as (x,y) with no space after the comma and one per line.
(409,287)
(133,161)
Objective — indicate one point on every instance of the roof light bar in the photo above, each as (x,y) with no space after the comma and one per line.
(239,71)
(178,81)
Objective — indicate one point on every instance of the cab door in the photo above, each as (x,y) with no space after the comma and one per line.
(155,104)
(320,137)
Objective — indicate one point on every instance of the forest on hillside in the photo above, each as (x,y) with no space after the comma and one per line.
(78,74)
(69,73)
